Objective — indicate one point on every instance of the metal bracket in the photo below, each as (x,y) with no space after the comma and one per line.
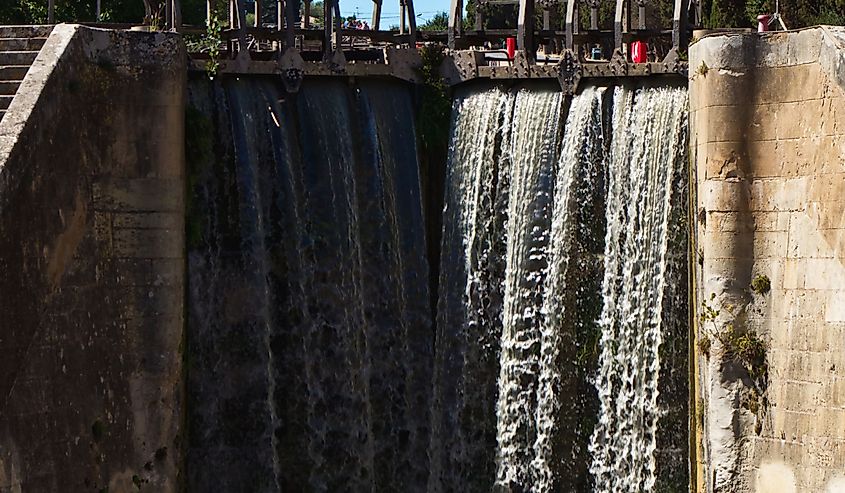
(569,72)
(292,68)
(521,65)
(336,62)
(618,64)
(404,63)
(463,66)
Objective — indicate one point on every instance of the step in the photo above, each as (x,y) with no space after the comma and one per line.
(25,31)
(15,72)
(5,101)
(9,87)
(21,44)
(17,57)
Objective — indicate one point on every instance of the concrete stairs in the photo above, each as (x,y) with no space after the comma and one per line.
(19,45)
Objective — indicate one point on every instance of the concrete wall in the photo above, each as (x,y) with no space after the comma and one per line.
(92,256)
(768,148)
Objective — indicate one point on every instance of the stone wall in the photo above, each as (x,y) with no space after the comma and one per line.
(768,149)
(92,256)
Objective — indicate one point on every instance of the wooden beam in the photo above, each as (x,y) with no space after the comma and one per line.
(241,13)
(376,20)
(290,22)
(525,29)
(619,24)
(402,14)
(412,21)
(679,25)
(456,25)
(572,23)
(177,15)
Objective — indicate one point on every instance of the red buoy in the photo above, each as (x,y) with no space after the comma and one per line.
(510,43)
(639,52)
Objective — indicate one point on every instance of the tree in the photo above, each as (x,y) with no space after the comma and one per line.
(439,22)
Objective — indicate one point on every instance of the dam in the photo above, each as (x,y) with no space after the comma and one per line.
(298,258)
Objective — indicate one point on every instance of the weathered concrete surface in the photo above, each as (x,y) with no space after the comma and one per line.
(92,254)
(768,146)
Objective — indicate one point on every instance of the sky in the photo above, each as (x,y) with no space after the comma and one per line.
(425,9)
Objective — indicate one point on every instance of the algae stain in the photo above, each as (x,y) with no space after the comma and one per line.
(67,243)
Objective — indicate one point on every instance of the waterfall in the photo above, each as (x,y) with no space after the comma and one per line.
(310,334)
(646,157)
(546,278)
(555,357)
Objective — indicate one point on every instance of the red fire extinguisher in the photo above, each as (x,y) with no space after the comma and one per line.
(639,52)
(510,43)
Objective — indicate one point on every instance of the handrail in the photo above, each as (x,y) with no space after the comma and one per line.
(685,14)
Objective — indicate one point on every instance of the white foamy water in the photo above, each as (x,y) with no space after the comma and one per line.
(648,126)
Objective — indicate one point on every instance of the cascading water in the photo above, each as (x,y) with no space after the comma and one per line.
(646,160)
(310,337)
(531,281)
(557,359)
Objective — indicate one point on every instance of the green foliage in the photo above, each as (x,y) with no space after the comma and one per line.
(433,119)
(761,284)
(209,43)
(704,344)
(745,347)
(439,22)
(738,343)
(703,69)
(796,13)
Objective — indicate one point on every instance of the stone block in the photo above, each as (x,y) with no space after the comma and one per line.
(147,243)
(835,307)
(805,241)
(770,244)
(824,273)
(793,273)
(827,187)
(139,195)
(724,196)
(779,195)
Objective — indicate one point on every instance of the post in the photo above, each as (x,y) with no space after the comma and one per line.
(402,15)
(242,44)
(51,11)
(679,25)
(308,14)
(594,15)
(376,21)
(456,27)
(337,24)
(619,23)
(97,12)
(257,13)
(177,15)
(168,14)
(290,22)
(641,14)
(209,12)
(327,27)
(572,23)
(525,29)
(412,21)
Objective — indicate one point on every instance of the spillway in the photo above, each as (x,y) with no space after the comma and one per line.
(550,357)
(561,295)
(310,335)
